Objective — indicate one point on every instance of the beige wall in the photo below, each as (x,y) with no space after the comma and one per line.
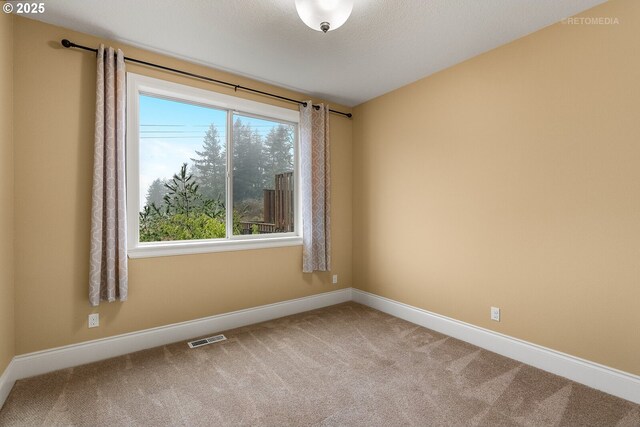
(54,107)
(7,330)
(513,180)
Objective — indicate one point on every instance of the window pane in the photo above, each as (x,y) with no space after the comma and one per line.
(182,171)
(263,165)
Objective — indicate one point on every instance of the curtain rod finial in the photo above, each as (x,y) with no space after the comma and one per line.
(65,43)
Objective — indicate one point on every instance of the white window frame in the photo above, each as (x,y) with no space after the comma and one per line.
(138,84)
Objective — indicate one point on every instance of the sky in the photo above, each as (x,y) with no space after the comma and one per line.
(171,132)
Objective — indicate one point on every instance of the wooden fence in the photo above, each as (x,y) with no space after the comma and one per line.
(278,210)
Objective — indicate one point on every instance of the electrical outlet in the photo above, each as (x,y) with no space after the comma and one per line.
(94,320)
(335,279)
(495,314)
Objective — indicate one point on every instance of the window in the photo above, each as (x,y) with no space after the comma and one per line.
(208,172)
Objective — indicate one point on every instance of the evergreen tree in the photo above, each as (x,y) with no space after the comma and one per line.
(184,214)
(156,193)
(248,170)
(210,166)
(278,153)
(182,196)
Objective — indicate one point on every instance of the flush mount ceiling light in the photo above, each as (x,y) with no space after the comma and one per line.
(324,15)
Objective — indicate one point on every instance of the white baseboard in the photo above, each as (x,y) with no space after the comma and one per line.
(7,380)
(41,362)
(600,377)
(609,380)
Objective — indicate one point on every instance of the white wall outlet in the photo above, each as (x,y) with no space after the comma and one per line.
(94,320)
(335,279)
(495,314)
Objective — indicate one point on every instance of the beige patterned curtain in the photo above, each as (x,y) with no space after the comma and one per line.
(108,264)
(316,188)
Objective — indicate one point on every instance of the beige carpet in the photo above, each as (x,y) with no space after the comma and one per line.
(342,365)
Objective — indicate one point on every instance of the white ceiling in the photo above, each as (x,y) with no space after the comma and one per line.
(384,45)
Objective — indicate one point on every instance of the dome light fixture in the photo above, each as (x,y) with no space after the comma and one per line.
(324,15)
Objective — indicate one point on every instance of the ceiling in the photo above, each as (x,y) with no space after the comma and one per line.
(384,45)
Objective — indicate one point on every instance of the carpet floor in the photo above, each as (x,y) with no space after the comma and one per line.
(341,365)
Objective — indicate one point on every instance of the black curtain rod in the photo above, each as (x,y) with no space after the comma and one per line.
(66,43)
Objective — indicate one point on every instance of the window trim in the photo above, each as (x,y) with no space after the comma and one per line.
(138,84)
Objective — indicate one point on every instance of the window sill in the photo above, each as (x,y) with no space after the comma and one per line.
(150,250)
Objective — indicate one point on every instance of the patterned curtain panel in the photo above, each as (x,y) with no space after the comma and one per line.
(108,264)
(316,188)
